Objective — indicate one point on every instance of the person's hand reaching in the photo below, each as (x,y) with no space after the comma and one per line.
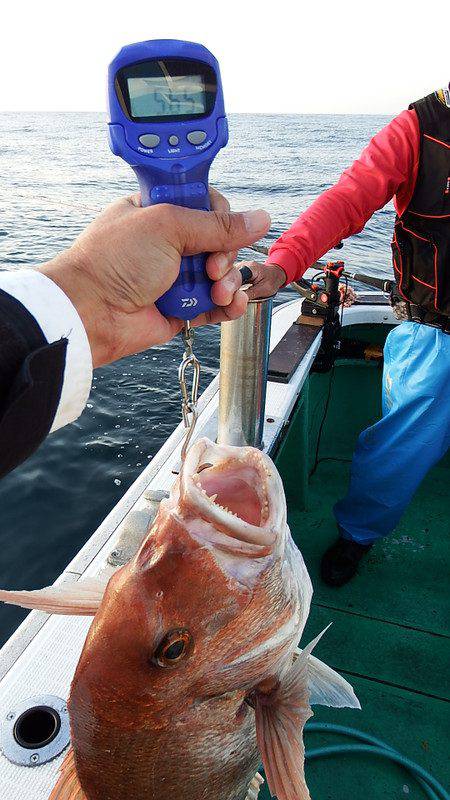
(265,280)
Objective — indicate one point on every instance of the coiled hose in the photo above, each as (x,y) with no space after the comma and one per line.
(375,747)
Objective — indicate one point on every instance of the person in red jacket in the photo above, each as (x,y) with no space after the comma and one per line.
(409,161)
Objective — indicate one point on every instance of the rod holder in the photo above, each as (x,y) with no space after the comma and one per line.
(244,358)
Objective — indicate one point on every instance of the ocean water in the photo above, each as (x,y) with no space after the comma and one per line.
(57,174)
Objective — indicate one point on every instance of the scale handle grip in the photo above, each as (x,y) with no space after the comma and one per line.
(190,295)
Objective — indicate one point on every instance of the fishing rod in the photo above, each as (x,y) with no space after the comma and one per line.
(382,284)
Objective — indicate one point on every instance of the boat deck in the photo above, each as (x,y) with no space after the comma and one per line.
(390,623)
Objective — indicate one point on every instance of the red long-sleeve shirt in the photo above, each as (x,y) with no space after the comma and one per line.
(386,169)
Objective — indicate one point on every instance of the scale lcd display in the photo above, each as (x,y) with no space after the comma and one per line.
(167,96)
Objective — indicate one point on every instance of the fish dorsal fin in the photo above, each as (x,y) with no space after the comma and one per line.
(82,598)
(68,786)
(280,718)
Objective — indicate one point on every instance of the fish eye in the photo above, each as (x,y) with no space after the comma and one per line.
(175,646)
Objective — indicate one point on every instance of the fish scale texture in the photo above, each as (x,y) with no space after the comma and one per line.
(213,764)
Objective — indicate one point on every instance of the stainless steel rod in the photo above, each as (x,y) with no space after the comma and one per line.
(244,356)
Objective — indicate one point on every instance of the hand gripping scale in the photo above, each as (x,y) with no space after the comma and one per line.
(167,120)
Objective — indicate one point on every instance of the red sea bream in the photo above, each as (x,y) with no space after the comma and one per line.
(190,677)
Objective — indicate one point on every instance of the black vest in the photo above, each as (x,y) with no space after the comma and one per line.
(421,243)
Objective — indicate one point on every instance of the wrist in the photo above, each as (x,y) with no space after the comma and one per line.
(66,270)
(279,276)
(292,264)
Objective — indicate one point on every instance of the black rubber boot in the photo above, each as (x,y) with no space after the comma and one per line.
(341,560)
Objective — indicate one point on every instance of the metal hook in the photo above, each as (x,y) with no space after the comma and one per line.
(188,399)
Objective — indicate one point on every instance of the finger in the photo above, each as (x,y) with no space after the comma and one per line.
(145,328)
(164,329)
(213,231)
(123,206)
(223,291)
(217,200)
(135,200)
(267,280)
(260,290)
(246,275)
(235,310)
(218,264)
(251,271)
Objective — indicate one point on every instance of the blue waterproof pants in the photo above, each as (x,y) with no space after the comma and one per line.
(394,455)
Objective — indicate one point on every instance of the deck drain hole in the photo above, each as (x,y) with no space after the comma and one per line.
(35,731)
(37,727)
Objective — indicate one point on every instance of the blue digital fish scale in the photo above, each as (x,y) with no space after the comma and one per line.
(167,120)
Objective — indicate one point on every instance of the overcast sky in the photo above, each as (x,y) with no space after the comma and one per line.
(278,56)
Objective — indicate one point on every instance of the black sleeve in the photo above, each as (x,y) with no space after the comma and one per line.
(31,379)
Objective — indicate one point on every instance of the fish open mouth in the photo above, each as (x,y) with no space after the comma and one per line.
(238,489)
(235,488)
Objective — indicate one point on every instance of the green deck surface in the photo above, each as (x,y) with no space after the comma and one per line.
(390,633)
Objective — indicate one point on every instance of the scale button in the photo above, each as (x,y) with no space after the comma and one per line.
(173,140)
(196,137)
(150,140)
(162,194)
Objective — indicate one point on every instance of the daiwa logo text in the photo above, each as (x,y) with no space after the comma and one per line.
(188,302)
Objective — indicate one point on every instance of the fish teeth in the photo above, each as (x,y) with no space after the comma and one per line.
(213,497)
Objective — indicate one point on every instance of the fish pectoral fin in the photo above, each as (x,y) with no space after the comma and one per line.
(328,688)
(68,786)
(280,718)
(80,598)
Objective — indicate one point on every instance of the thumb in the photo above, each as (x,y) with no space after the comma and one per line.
(218,231)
